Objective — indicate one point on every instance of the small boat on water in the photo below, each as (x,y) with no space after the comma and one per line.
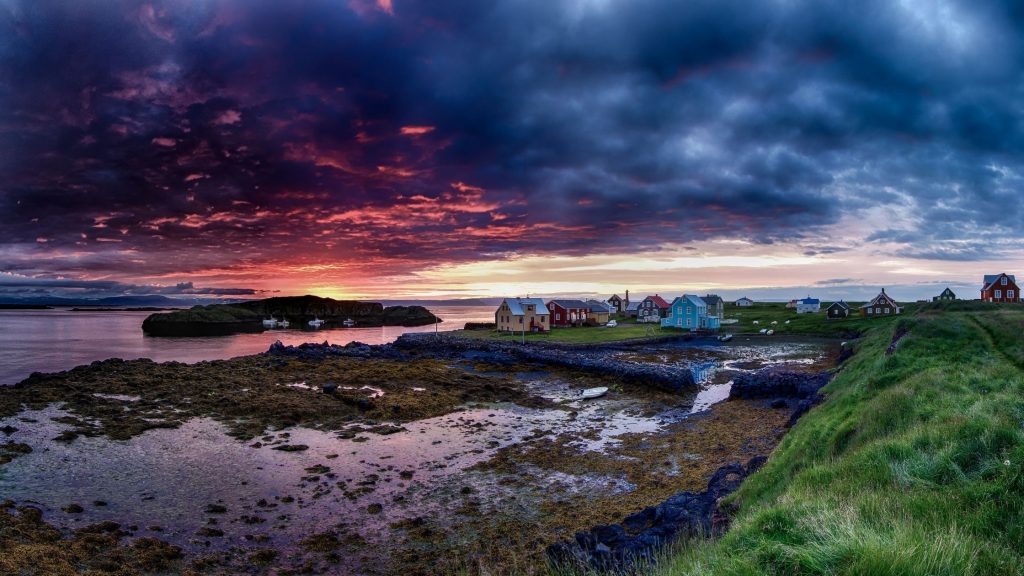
(316,322)
(348,323)
(270,322)
(593,392)
(725,338)
(283,324)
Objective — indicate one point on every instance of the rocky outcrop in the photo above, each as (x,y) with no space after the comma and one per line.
(797,390)
(584,358)
(634,542)
(312,351)
(771,383)
(219,319)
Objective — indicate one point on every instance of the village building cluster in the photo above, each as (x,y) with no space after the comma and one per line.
(701,313)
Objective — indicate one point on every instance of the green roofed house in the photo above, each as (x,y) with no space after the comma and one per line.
(946,296)
(837,310)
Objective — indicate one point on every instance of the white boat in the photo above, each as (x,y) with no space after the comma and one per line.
(770,332)
(270,322)
(612,324)
(348,323)
(283,324)
(593,392)
(316,322)
(725,338)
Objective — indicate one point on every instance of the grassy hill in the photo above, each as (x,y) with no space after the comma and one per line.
(914,465)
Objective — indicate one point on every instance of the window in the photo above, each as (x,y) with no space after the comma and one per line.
(558,316)
(878,310)
(886,310)
(1003,281)
(999,293)
(520,320)
(871,310)
(1009,294)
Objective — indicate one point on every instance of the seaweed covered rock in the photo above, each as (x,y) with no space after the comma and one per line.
(636,540)
(593,358)
(771,383)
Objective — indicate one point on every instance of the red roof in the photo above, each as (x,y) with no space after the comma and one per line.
(659,301)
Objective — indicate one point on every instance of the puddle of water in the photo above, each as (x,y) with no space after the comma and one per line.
(710,395)
(374,391)
(121,397)
(167,477)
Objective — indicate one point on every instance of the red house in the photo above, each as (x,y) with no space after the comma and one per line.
(568,312)
(1000,288)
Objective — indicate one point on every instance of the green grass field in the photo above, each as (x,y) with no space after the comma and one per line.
(764,313)
(914,464)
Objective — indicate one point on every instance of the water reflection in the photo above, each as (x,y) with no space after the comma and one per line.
(59,339)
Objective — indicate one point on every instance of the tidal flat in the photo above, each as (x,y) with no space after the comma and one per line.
(415,464)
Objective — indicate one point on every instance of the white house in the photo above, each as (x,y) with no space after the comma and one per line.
(745,302)
(808,306)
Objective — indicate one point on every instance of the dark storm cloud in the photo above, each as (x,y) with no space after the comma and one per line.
(175,136)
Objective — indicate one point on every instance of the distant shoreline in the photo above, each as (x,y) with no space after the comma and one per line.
(126,309)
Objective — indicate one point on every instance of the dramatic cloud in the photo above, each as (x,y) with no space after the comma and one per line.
(323,143)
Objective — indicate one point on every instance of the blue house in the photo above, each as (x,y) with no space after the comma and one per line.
(690,312)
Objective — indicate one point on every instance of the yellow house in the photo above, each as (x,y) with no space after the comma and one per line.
(518,314)
(600,312)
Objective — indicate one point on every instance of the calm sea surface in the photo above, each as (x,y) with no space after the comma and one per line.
(59,339)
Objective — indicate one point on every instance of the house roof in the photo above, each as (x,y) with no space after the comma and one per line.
(948,291)
(658,301)
(990,278)
(516,305)
(841,304)
(697,300)
(570,304)
(712,299)
(615,297)
(810,301)
(744,298)
(596,306)
(633,306)
(882,294)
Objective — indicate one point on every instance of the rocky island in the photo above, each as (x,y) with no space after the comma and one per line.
(223,319)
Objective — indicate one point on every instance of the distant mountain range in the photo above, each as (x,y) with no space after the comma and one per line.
(151,300)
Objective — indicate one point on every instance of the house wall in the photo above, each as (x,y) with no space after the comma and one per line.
(505,321)
(881,307)
(563,317)
(838,312)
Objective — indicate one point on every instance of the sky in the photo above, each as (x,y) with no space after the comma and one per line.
(443,148)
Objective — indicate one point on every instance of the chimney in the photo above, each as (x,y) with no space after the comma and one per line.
(627,296)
